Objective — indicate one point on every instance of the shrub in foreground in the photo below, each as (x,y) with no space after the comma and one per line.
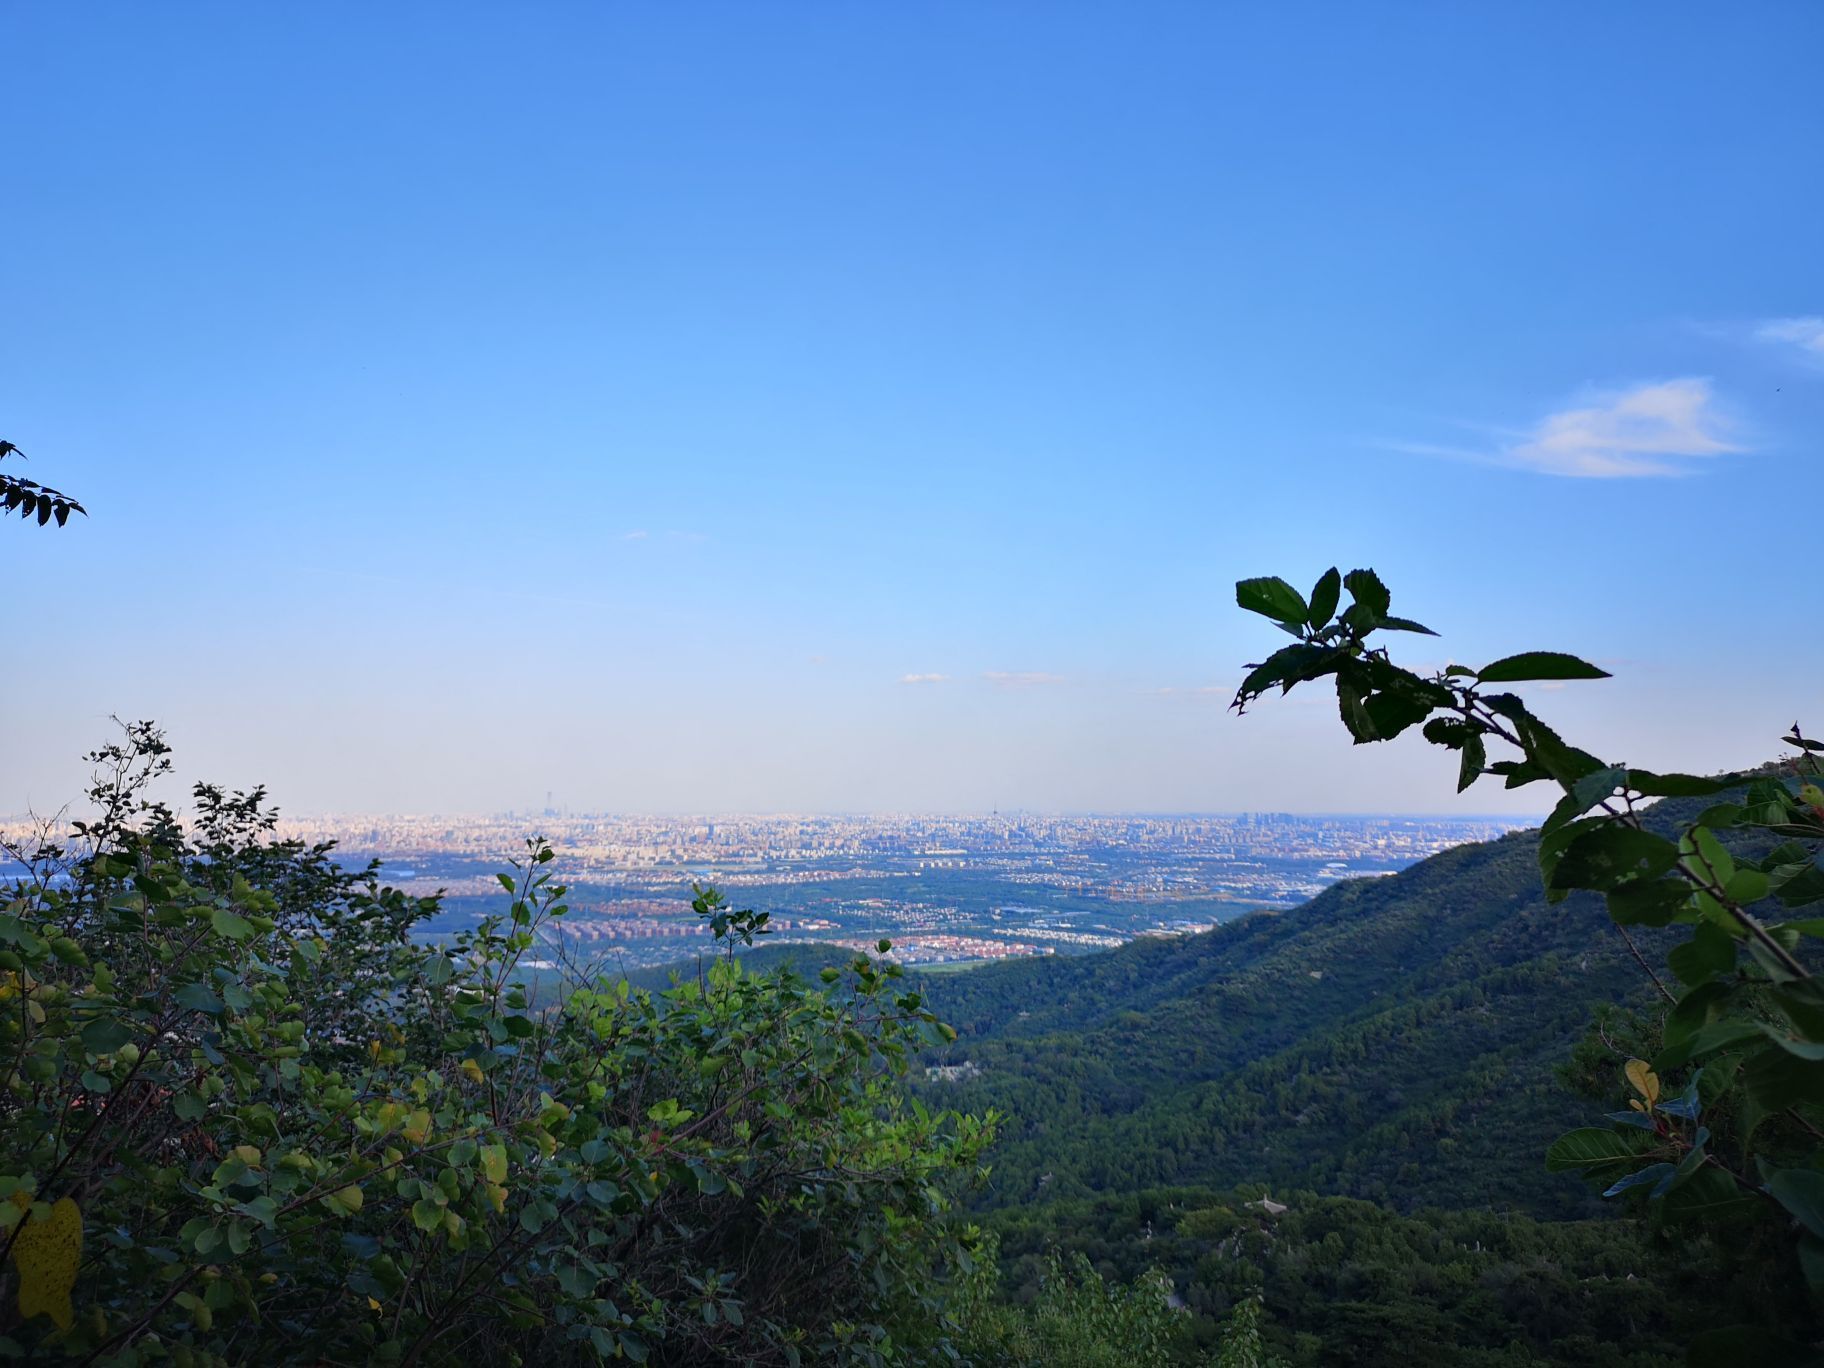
(244,1114)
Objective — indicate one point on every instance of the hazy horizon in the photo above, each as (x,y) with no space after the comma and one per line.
(882,814)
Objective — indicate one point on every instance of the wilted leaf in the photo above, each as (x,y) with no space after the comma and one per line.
(494,1163)
(47,1254)
(1644,1080)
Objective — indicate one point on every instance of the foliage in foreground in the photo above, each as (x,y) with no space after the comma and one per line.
(1738,1139)
(1079,1319)
(243,1114)
(32,500)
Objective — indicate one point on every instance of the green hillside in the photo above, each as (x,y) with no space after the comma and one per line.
(1388,1061)
(1395,1039)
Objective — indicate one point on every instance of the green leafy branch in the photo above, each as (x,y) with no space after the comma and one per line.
(1750,1009)
(30,499)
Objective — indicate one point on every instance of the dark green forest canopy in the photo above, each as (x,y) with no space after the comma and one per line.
(1350,1282)
(1397,1039)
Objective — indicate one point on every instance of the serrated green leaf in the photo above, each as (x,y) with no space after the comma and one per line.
(1273,598)
(230,924)
(1324,597)
(1529,665)
(1610,855)
(104,1036)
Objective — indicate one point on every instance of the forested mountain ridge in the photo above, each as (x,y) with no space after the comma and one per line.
(1392,1039)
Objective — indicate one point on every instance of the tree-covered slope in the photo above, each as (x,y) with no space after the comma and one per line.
(1394,1039)
(1349,1282)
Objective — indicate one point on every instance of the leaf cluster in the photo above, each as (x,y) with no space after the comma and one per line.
(1745,1026)
(32,500)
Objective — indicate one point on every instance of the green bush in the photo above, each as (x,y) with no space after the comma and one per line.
(1079,1319)
(243,1113)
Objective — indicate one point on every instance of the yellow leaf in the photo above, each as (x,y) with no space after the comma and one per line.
(371,1302)
(418,1128)
(498,1196)
(1645,1081)
(248,1155)
(346,1200)
(47,1253)
(472,1071)
(494,1163)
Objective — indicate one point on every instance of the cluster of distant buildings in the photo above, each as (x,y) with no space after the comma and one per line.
(1052,851)
(945,889)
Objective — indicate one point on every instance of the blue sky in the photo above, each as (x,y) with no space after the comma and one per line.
(870,407)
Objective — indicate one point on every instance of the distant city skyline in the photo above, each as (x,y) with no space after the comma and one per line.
(943,889)
(851,411)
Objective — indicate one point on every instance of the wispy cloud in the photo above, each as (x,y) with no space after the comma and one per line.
(923,678)
(638,534)
(1021,679)
(1807,334)
(1645,430)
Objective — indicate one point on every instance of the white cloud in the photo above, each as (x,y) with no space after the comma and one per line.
(1021,679)
(639,534)
(923,678)
(1653,429)
(1807,334)
(1642,431)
